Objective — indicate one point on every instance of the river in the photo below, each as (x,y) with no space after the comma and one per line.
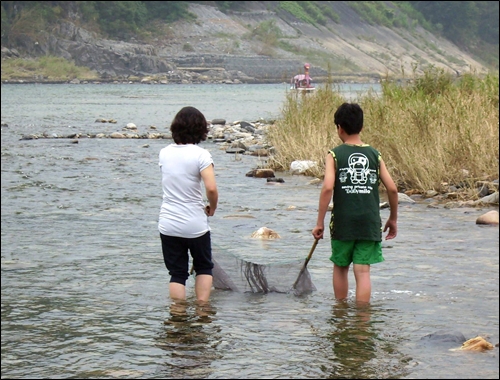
(85,290)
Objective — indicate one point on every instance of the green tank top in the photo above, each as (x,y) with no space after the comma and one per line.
(356,204)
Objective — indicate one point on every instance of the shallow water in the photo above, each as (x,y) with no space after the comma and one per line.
(85,290)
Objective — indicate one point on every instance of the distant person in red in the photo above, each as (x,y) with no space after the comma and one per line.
(303,80)
(307,79)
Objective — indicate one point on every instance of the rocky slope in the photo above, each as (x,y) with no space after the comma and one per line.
(218,48)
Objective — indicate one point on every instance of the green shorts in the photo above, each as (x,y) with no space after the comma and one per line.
(356,251)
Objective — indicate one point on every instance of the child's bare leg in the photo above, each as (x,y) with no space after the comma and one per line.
(177,291)
(340,281)
(203,287)
(178,308)
(363,282)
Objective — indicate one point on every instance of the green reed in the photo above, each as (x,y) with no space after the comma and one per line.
(48,68)
(431,130)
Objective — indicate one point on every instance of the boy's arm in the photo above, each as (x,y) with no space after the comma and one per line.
(325,196)
(208,176)
(392,194)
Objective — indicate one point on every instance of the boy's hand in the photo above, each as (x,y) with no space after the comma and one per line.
(392,226)
(317,232)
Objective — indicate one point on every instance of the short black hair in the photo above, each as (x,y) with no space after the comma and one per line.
(189,126)
(350,117)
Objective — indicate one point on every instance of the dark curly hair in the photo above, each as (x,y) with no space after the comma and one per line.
(189,126)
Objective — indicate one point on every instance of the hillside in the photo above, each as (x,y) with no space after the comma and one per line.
(239,47)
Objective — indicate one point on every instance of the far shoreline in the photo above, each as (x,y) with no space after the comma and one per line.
(152,79)
(155,82)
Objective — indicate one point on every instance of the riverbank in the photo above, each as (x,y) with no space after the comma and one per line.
(249,138)
(185,77)
(242,117)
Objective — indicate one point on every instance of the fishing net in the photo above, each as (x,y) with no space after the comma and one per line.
(239,275)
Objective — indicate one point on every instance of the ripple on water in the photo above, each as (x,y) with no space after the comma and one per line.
(85,290)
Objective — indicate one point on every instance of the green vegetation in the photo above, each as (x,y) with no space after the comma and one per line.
(46,68)
(435,128)
(307,11)
(114,19)
(472,25)
(377,13)
(463,22)
(268,33)
(187,47)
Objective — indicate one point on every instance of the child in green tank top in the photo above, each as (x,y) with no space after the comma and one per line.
(353,172)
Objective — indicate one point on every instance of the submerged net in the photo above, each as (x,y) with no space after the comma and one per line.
(239,275)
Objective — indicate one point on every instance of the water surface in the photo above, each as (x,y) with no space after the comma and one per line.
(85,290)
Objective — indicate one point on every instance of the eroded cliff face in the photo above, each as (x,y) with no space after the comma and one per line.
(219,47)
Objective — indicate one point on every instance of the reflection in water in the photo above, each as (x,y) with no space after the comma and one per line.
(189,339)
(358,349)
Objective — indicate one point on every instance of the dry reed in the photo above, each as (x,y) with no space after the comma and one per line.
(432,131)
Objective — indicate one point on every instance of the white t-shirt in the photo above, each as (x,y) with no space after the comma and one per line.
(182,212)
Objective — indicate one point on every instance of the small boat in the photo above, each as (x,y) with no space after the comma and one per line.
(304,89)
(302,82)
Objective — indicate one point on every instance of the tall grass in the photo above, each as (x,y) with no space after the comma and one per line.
(305,130)
(434,129)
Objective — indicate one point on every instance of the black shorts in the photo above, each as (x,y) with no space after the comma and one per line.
(176,258)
